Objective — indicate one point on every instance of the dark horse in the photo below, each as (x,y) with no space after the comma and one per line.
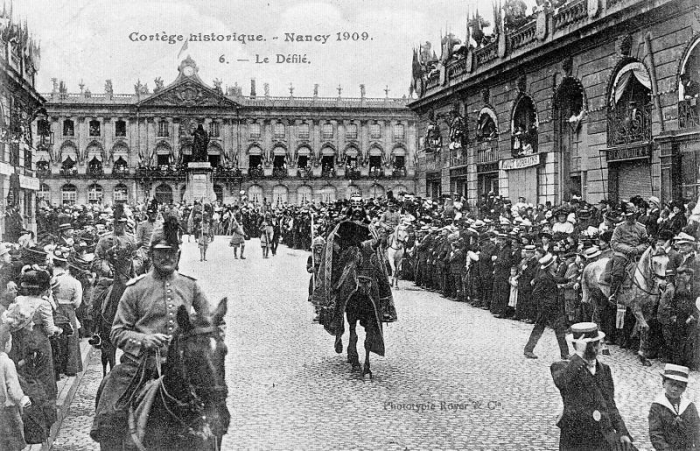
(185,408)
(105,300)
(352,282)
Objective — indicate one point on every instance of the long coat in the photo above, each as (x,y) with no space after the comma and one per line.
(501,272)
(590,413)
(670,431)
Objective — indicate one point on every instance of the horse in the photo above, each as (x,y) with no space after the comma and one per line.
(358,298)
(185,408)
(396,246)
(644,283)
(105,300)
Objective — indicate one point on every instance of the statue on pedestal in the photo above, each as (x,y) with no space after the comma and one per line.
(200,144)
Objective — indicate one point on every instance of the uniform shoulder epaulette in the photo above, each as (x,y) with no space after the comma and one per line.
(188,277)
(135,279)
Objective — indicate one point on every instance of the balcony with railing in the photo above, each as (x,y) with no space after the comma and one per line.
(68,172)
(304,172)
(352,173)
(256,173)
(95,172)
(399,173)
(328,172)
(279,172)
(485,153)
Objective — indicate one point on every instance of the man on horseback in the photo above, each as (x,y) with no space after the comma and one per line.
(144,322)
(629,241)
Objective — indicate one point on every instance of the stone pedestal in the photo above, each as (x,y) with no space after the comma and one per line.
(200,186)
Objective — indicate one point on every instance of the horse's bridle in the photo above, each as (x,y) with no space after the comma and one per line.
(195,403)
(654,276)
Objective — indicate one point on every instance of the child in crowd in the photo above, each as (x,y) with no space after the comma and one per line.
(12,399)
(673,420)
(513,281)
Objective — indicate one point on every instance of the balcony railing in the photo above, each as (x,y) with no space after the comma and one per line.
(523,36)
(43,173)
(72,172)
(256,173)
(95,172)
(488,155)
(458,158)
(629,124)
(169,172)
(279,172)
(486,54)
(571,13)
(328,173)
(399,173)
(304,173)
(352,173)
(376,172)
(688,113)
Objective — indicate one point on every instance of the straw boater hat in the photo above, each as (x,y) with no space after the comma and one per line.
(684,238)
(591,252)
(586,333)
(546,261)
(676,372)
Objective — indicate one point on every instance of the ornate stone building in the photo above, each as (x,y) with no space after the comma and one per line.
(588,97)
(113,148)
(20,111)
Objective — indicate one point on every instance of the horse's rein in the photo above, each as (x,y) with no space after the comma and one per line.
(646,279)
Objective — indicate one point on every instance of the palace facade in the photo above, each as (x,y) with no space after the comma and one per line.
(597,98)
(20,109)
(111,148)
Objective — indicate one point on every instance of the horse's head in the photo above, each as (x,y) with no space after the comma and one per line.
(197,354)
(657,262)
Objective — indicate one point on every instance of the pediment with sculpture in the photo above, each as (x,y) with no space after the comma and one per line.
(189,93)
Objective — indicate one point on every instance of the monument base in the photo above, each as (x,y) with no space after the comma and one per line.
(200,186)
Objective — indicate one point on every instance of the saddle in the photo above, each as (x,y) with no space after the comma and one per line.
(606,276)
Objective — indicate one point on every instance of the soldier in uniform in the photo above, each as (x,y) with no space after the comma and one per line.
(144,231)
(628,242)
(145,322)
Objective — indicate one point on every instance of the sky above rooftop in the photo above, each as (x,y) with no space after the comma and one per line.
(93,41)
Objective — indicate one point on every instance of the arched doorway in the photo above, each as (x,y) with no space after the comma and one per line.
(164,194)
(569,110)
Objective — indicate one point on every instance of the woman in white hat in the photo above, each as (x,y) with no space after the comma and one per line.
(673,420)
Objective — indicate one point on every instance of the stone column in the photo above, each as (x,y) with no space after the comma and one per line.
(108,141)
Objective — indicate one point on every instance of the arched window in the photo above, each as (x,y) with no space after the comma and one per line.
(94,167)
(304,194)
(69,195)
(327,131)
(255,194)
(399,132)
(629,106)
(487,126)
(95,194)
(689,88)
(279,195)
(68,164)
(328,194)
(524,128)
(121,194)
(375,131)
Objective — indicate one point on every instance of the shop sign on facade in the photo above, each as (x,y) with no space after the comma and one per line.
(29,183)
(520,163)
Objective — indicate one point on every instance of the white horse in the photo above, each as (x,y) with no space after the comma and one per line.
(396,245)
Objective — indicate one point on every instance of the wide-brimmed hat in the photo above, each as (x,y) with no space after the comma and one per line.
(61,254)
(591,252)
(586,333)
(676,372)
(65,226)
(545,233)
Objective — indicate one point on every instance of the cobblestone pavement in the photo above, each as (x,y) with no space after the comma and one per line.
(453,376)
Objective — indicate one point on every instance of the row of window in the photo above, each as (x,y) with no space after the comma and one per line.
(95,194)
(254,130)
(327,131)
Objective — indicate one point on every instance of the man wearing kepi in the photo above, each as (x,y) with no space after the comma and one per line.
(629,241)
(590,420)
(144,323)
